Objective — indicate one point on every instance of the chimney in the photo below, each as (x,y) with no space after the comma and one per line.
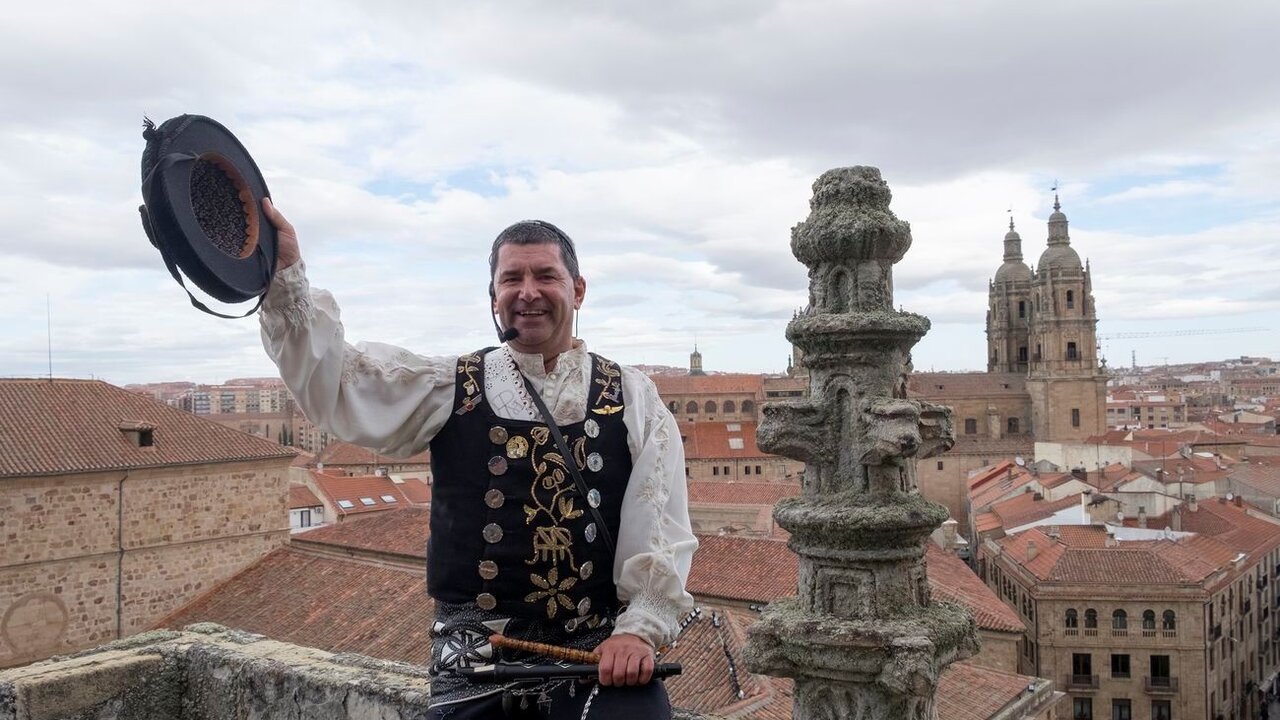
(1111,539)
(949,533)
(1080,473)
(1142,517)
(1193,503)
(1160,475)
(1032,550)
(1239,501)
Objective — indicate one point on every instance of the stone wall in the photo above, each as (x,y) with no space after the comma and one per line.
(769,468)
(72,576)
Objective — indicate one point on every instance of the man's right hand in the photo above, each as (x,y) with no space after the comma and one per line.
(287,252)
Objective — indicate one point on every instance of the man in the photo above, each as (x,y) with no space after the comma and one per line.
(517,545)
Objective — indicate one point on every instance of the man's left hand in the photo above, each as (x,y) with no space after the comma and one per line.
(625,659)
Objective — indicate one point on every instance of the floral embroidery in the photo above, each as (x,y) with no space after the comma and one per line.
(469,365)
(553,589)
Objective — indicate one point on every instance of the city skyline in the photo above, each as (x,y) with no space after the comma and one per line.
(676,146)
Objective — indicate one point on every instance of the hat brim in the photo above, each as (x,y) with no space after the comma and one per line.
(175,227)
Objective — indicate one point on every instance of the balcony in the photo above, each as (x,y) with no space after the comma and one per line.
(1082,682)
(1160,685)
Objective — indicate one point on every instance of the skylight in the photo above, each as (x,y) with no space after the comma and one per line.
(387,498)
(367,502)
(346,504)
(735,443)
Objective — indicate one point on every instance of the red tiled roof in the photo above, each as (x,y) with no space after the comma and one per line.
(59,426)
(337,488)
(332,604)
(303,459)
(715,680)
(741,493)
(708,384)
(1025,508)
(399,532)
(951,579)
(342,453)
(973,692)
(300,496)
(417,491)
(710,440)
(966,384)
(717,570)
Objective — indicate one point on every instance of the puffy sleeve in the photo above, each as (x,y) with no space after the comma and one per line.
(655,540)
(371,394)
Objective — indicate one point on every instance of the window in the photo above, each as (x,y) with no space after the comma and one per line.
(1148,619)
(733,427)
(1022,354)
(304,518)
(1160,670)
(748,407)
(1082,708)
(367,501)
(1169,621)
(1072,619)
(726,470)
(1161,710)
(691,408)
(710,407)
(715,469)
(346,504)
(672,406)
(1012,426)
(757,469)
(1072,352)
(730,407)
(1121,709)
(1071,299)
(1091,618)
(1119,620)
(1075,417)
(970,426)
(939,464)
(735,443)
(387,498)
(1082,667)
(746,469)
(1022,308)
(1119,666)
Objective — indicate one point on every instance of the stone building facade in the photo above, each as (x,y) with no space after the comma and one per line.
(1156,624)
(115,510)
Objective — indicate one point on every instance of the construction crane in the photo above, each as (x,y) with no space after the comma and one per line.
(1169,333)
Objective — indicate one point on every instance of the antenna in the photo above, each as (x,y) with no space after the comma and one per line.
(48,329)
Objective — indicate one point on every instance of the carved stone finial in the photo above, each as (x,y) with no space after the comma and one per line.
(862,639)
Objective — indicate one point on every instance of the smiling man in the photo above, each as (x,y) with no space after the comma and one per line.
(571,530)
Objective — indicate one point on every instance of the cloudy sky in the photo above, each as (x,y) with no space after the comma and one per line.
(675,141)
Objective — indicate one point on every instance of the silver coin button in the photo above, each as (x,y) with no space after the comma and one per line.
(494,498)
(591,428)
(497,465)
(498,435)
(488,569)
(493,533)
(593,498)
(590,532)
(486,601)
(595,462)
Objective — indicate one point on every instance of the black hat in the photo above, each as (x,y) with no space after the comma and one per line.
(202,210)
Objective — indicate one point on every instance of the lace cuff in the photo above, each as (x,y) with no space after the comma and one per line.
(650,616)
(289,297)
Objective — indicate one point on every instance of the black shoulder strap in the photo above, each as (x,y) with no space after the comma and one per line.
(569,463)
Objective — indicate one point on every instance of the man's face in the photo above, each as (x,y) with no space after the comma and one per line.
(535,294)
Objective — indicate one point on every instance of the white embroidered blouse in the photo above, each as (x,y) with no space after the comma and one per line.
(395,401)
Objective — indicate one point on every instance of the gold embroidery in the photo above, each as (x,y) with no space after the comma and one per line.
(469,365)
(553,590)
(551,544)
(610,384)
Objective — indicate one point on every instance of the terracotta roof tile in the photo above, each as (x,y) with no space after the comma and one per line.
(342,490)
(715,679)
(965,384)
(66,426)
(728,384)
(300,496)
(719,560)
(973,692)
(712,440)
(951,579)
(416,490)
(333,604)
(399,532)
(741,493)
(342,453)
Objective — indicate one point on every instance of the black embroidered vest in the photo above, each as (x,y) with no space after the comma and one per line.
(509,530)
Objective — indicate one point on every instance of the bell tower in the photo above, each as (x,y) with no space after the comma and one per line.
(1009,310)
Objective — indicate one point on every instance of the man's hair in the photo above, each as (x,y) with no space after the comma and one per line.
(535,232)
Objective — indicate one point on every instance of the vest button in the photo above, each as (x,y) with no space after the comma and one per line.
(497,435)
(497,465)
(485,601)
(595,462)
(493,533)
(591,428)
(586,569)
(593,498)
(488,569)
(590,532)
(584,606)
(494,498)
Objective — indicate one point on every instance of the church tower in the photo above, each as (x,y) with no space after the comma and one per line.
(1067,386)
(1009,310)
(695,361)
